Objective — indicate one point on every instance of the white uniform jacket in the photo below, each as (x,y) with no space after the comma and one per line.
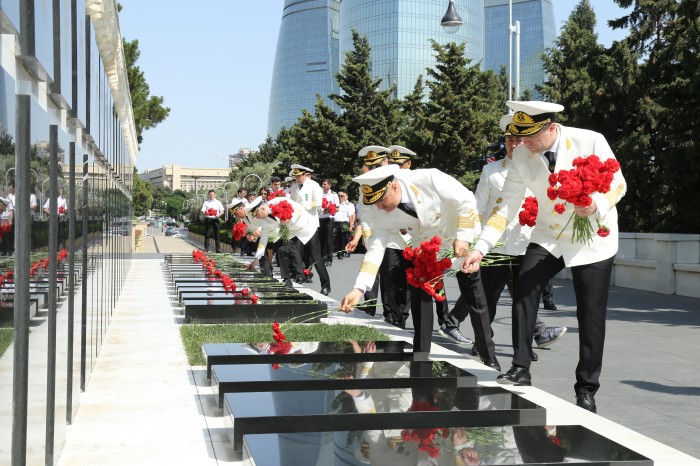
(488,200)
(529,171)
(309,195)
(301,225)
(445,208)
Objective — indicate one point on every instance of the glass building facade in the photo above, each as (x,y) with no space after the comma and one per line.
(537,33)
(315,35)
(399,33)
(65,121)
(306,60)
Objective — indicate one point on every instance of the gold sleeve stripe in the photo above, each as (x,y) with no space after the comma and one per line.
(499,222)
(481,219)
(613,196)
(368,267)
(465,222)
(366,233)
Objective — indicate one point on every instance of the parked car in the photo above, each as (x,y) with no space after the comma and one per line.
(170,231)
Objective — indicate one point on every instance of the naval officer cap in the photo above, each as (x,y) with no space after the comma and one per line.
(375,183)
(373,156)
(236,203)
(531,116)
(289,178)
(252,206)
(400,154)
(298,170)
(505,122)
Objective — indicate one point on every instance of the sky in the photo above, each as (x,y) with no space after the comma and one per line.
(213,67)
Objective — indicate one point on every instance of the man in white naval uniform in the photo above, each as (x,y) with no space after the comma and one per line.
(552,246)
(426,203)
(309,194)
(301,227)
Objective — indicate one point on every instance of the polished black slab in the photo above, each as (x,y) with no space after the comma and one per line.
(184,291)
(338,376)
(242,310)
(308,352)
(421,408)
(222,294)
(513,445)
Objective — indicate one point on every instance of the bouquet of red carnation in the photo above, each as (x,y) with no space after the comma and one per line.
(61,210)
(428,439)
(239,231)
(576,186)
(282,210)
(274,194)
(427,268)
(211,212)
(329,207)
(528,215)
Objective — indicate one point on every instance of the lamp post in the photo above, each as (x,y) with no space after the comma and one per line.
(513,29)
(451,22)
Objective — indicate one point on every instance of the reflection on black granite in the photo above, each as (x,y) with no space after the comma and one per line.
(520,445)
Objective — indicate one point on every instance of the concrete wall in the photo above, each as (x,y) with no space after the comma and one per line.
(659,262)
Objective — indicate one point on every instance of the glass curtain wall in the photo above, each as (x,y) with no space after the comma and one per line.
(64,256)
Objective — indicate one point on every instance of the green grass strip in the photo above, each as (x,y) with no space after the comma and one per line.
(195,335)
(6,337)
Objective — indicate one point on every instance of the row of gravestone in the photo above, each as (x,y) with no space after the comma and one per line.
(39,287)
(354,403)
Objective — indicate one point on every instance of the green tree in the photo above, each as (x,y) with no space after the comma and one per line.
(463,110)
(141,195)
(148,110)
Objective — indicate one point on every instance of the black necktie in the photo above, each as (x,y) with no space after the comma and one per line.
(549,155)
(406,209)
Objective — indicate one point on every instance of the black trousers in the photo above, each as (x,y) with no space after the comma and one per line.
(325,235)
(591,285)
(312,250)
(211,225)
(394,287)
(471,289)
(343,236)
(289,259)
(265,264)
(371,295)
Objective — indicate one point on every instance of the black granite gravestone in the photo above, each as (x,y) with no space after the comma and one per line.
(418,408)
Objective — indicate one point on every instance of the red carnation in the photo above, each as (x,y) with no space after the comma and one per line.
(254,298)
(307,272)
(408,254)
(603,231)
(560,208)
(283,210)
(238,231)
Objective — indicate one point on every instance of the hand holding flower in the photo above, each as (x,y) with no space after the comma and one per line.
(586,211)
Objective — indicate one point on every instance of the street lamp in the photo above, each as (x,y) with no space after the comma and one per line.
(451,22)
(513,29)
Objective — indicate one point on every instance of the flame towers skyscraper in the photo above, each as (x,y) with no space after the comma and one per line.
(306,60)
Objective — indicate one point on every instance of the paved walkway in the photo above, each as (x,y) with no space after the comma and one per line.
(145,405)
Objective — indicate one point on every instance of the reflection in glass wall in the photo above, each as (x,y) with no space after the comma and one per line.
(82,224)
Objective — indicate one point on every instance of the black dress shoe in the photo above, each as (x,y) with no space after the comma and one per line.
(515,376)
(587,402)
(340,256)
(533,356)
(329,264)
(325,290)
(492,363)
(300,280)
(288,283)
(475,351)
(549,305)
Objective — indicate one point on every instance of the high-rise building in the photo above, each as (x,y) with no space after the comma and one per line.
(306,60)
(315,34)
(537,33)
(399,33)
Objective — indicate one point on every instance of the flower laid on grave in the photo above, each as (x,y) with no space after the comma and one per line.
(62,255)
(576,186)
(528,216)
(279,338)
(328,207)
(254,298)
(428,439)
(282,211)
(245,291)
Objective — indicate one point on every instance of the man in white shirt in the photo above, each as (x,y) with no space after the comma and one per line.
(212,209)
(327,222)
(62,204)
(344,218)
